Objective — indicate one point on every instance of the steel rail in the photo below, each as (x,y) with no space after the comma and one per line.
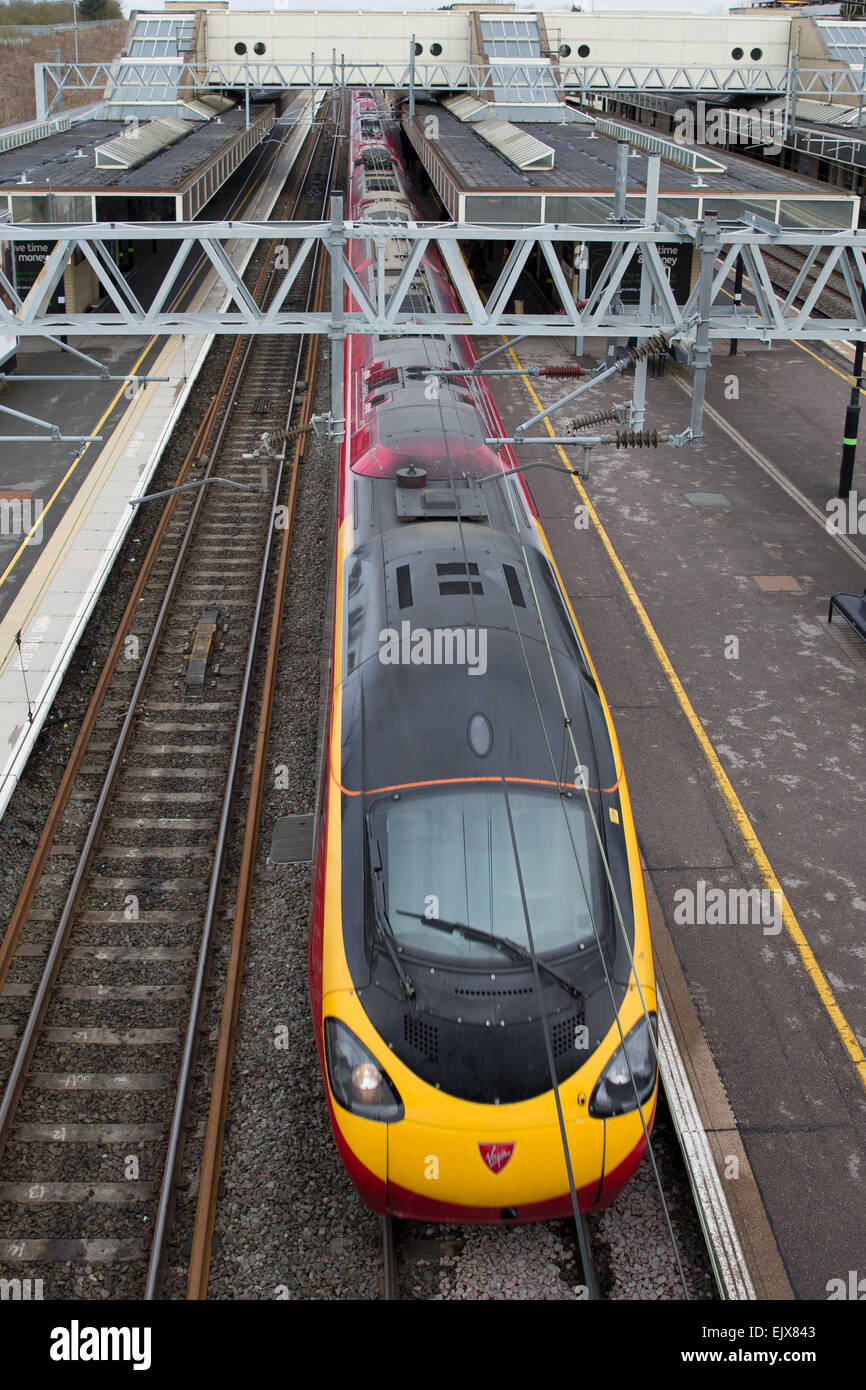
(42,998)
(199,1266)
(224,401)
(27,893)
(389,1261)
(222,1076)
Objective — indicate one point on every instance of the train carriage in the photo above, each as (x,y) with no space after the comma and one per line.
(478,920)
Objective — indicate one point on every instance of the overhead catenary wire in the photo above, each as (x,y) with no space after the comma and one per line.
(582,1242)
(580,1231)
(568,732)
(567,736)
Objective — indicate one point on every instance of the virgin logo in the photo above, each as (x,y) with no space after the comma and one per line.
(496,1155)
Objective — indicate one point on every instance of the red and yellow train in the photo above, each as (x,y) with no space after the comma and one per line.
(478,924)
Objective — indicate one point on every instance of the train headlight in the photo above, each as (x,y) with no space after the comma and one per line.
(357,1080)
(614,1092)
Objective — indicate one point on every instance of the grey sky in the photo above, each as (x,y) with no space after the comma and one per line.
(593,6)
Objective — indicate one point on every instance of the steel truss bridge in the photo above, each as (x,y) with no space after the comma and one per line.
(109,79)
(379,309)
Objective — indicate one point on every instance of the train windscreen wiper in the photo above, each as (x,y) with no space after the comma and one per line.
(510,947)
(386,936)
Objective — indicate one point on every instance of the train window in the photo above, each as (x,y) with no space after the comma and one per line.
(240,49)
(736,54)
(583,51)
(382,376)
(436,49)
(756,54)
(459,843)
(565,50)
(258,48)
(569,637)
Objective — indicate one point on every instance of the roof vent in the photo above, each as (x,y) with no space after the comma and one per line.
(458,586)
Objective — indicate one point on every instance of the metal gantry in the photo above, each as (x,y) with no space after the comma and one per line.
(109,79)
(380,310)
(377,306)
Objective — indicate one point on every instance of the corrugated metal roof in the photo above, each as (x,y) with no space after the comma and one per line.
(204,108)
(819,112)
(522,150)
(141,142)
(467,108)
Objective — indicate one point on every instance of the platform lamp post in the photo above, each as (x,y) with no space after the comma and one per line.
(852,418)
(738,299)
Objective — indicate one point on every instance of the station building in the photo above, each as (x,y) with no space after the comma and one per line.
(514,115)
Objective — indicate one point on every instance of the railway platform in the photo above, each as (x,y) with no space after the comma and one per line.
(700,579)
(78,505)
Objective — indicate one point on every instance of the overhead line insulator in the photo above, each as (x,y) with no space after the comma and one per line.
(637,439)
(583,422)
(656,344)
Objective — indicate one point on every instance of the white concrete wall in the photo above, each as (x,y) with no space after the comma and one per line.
(666,39)
(383,36)
(363,36)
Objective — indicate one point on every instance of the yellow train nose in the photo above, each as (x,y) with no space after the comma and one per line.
(494,1164)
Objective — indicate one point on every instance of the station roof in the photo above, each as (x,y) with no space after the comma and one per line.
(67,161)
(467,171)
(583,163)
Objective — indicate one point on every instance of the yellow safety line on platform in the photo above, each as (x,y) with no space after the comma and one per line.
(723,782)
(70,470)
(846,376)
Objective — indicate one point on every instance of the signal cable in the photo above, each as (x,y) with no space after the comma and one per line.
(569,734)
(582,1242)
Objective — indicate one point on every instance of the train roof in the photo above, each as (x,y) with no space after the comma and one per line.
(424,595)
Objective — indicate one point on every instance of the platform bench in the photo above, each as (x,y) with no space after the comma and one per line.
(852,607)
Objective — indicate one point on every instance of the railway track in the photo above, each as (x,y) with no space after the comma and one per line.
(105,963)
(630,1248)
(415,1258)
